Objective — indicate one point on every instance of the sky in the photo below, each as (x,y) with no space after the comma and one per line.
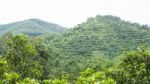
(69,13)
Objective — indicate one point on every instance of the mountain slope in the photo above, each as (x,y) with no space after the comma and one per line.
(31,26)
(106,35)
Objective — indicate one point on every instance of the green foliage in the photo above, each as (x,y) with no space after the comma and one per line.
(20,54)
(35,70)
(86,54)
(107,34)
(107,81)
(57,81)
(29,81)
(3,39)
(89,76)
(133,68)
(19,51)
(3,67)
(136,65)
(11,78)
(46,81)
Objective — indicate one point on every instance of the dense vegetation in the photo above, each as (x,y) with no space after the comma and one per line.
(108,35)
(103,50)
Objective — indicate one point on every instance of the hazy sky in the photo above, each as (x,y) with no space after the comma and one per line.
(72,12)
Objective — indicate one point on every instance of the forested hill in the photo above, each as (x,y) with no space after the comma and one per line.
(108,35)
(102,50)
(31,27)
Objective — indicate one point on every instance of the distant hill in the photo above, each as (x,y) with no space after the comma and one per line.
(31,27)
(107,35)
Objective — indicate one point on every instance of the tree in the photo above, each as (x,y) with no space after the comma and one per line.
(20,54)
(133,68)
(136,64)
(89,76)
(3,67)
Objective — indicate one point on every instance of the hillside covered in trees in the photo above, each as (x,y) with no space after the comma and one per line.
(31,27)
(108,35)
(102,50)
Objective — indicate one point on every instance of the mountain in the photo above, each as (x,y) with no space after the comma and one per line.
(107,35)
(85,54)
(31,27)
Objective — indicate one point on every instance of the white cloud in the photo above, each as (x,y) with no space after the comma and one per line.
(71,12)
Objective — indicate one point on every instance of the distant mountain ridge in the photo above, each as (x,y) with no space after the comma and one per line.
(31,26)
